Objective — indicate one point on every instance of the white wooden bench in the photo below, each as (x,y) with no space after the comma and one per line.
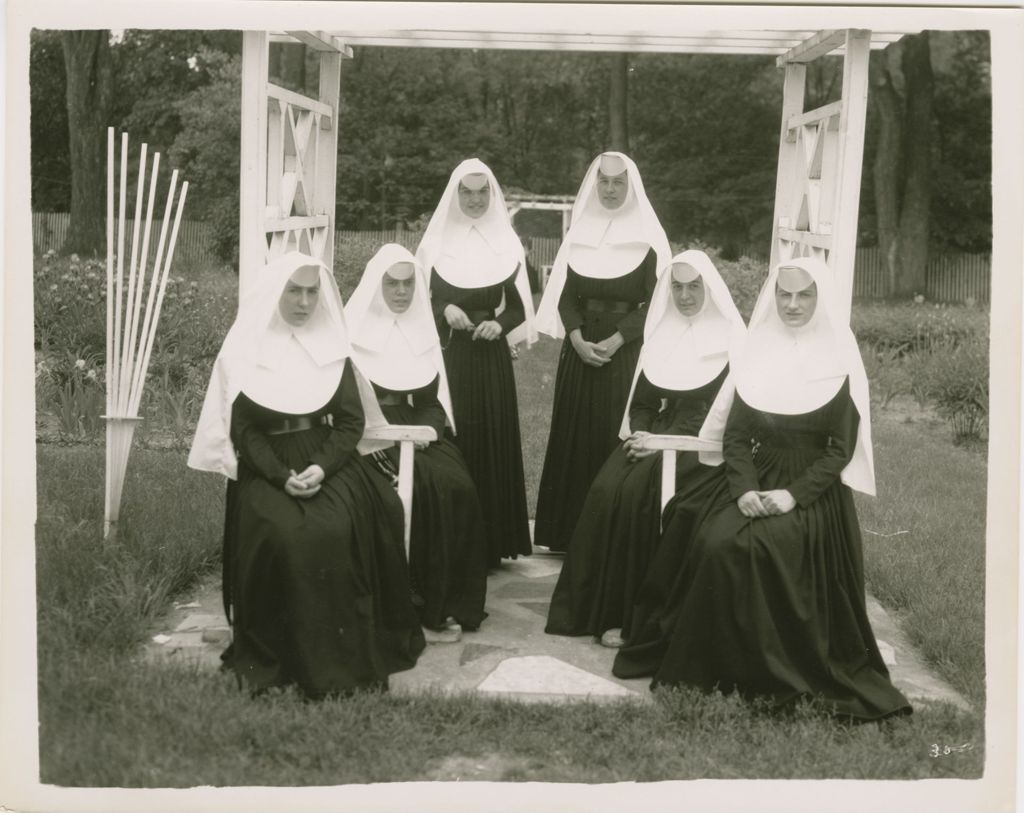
(669,446)
(405,436)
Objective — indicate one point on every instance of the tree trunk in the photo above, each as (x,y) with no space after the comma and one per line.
(901,93)
(886,168)
(618,107)
(89,95)
(917,164)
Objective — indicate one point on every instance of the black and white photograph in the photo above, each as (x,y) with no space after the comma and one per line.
(511,406)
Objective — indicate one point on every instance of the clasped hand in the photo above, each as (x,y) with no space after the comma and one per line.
(457,319)
(766,503)
(306,483)
(596,354)
(634,451)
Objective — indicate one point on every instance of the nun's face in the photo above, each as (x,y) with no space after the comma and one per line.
(796,307)
(398,291)
(300,296)
(474,202)
(612,189)
(688,296)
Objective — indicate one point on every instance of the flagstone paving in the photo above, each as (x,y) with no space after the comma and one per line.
(511,655)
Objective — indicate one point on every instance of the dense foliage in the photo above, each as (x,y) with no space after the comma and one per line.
(703,129)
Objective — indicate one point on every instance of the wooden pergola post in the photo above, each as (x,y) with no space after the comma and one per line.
(287,187)
(817,187)
(289,156)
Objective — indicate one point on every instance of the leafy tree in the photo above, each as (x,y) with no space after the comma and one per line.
(961,213)
(157,68)
(207,149)
(408,117)
(51,164)
(706,140)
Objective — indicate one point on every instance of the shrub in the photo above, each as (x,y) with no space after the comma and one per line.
(70,386)
(911,327)
(71,313)
(887,372)
(959,386)
(744,277)
(351,260)
(70,304)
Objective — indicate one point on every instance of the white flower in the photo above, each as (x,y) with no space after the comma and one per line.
(80,364)
(91,375)
(74,258)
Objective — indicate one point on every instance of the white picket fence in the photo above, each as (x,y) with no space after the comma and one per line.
(950,277)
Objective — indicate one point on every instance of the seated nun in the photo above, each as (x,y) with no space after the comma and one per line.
(758,587)
(396,346)
(315,580)
(690,322)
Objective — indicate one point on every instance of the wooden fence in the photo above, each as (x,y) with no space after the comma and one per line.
(953,277)
(950,277)
(542,249)
(49,229)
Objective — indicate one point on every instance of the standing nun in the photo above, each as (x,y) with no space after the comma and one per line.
(315,579)
(480,296)
(690,325)
(602,278)
(762,587)
(395,345)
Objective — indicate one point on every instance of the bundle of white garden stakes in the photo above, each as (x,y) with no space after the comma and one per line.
(129,337)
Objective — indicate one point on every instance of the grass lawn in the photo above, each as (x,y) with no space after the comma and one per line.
(108,718)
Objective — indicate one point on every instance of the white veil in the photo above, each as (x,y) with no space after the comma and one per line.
(399,351)
(603,243)
(294,370)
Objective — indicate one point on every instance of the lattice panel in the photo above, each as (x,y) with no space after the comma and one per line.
(805,223)
(294,218)
(307,240)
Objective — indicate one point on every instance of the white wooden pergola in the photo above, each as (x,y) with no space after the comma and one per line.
(517,202)
(289,141)
(289,152)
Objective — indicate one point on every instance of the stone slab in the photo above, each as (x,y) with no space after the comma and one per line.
(201,621)
(543,674)
(514,631)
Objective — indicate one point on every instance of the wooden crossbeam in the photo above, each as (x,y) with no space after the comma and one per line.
(752,42)
(828,111)
(822,43)
(294,99)
(317,40)
(291,223)
(806,238)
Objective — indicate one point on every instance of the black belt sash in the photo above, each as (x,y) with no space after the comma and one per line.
(607,306)
(297,423)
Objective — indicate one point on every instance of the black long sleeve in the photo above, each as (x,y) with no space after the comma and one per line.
(740,471)
(631,326)
(251,443)
(645,406)
(348,422)
(514,312)
(844,421)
